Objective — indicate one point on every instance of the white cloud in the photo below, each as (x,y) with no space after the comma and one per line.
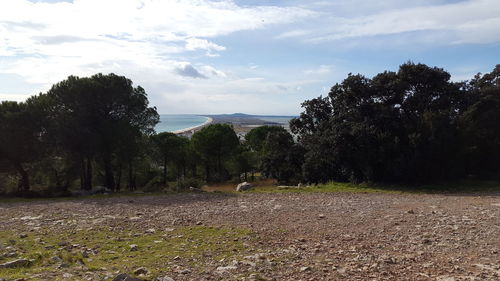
(322,69)
(472,21)
(82,36)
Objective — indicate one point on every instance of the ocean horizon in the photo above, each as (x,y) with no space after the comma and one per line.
(176,122)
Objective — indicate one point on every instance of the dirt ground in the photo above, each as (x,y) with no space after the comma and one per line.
(301,236)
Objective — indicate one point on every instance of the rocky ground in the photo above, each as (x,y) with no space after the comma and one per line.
(288,236)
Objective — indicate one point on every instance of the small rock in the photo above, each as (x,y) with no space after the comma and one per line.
(199,223)
(16,263)
(141,270)
(56,259)
(164,278)
(243,186)
(10,255)
(125,277)
(23,235)
(305,268)
(150,231)
(134,247)
(185,271)
(321,216)
(226,268)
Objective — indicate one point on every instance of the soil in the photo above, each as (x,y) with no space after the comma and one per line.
(307,236)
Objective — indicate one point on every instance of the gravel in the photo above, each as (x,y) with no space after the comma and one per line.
(307,236)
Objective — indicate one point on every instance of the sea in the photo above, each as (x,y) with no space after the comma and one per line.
(172,123)
(176,122)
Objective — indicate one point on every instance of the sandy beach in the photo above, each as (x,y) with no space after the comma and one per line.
(195,128)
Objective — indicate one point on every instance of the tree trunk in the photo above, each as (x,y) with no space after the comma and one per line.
(82,174)
(165,171)
(86,174)
(207,171)
(193,170)
(119,178)
(131,177)
(24,181)
(108,173)
(219,172)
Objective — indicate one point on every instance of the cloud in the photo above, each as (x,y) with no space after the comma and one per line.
(472,21)
(82,35)
(322,69)
(187,70)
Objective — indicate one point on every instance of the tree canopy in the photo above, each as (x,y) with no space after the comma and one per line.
(397,126)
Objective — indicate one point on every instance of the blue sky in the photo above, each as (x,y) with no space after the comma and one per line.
(259,57)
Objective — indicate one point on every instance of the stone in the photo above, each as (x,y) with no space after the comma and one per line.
(185,271)
(56,259)
(10,255)
(23,235)
(141,270)
(133,247)
(321,216)
(305,268)
(164,278)
(244,186)
(100,190)
(226,268)
(125,277)
(16,263)
(150,231)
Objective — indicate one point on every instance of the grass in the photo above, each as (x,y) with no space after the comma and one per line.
(456,187)
(104,252)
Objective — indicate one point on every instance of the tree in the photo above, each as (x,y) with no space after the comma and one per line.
(170,148)
(19,139)
(397,126)
(282,158)
(479,124)
(256,138)
(93,117)
(215,144)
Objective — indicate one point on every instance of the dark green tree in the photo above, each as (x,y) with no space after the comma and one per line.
(170,148)
(282,158)
(93,117)
(480,125)
(20,137)
(398,126)
(215,144)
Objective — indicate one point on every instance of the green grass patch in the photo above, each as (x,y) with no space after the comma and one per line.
(456,187)
(105,252)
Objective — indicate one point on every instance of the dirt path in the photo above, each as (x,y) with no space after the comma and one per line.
(302,236)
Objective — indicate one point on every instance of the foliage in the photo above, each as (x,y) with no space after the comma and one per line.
(396,127)
(281,157)
(98,117)
(20,139)
(215,144)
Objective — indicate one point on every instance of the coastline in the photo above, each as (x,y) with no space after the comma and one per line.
(194,128)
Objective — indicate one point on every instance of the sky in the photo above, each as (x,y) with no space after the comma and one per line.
(226,56)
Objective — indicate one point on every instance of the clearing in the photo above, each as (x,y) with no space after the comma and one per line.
(254,236)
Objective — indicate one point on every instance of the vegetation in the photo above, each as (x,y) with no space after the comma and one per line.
(411,126)
(96,249)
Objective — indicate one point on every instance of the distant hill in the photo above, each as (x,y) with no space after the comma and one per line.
(244,115)
(250,120)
